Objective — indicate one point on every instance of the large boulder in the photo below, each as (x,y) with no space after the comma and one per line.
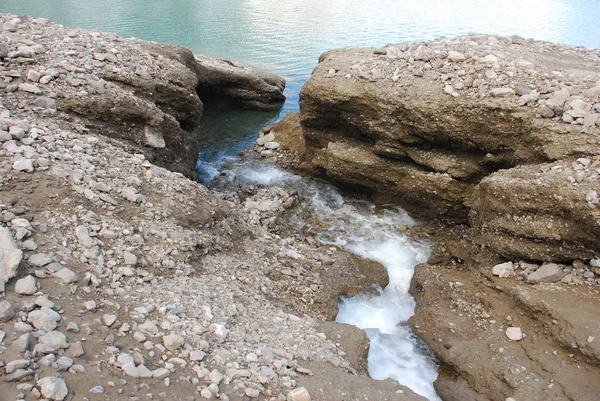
(422,124)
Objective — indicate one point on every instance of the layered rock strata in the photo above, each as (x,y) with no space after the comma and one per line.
(439,126)
(145,92)
(494,143)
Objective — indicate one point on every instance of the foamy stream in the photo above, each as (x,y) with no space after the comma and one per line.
(359,227)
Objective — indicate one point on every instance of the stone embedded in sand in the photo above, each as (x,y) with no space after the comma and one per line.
(299,394)
(547,273)
(514,333)
(455,56)
(39,259)
(65,275)
(502,92)
(45,102)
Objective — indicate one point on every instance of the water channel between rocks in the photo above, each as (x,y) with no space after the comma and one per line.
(371,233)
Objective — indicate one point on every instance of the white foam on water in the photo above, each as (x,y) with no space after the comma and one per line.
(371,233)
(265,174)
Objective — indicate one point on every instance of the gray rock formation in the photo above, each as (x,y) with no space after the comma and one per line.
(143,92)
(457,130)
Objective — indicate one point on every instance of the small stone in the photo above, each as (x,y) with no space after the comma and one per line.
(173,341)
(51,342)
(131,195)
(89,305)
(252,392)
(26,286)
(97,390)
(129,258)
(206,393)
(265,138)
(11,256)
(455,56)
(560,97)
(25,165)
(63,363)
(53,388)
(39,259)
(591,339)
(504,270)
(72,327)
(22,343)
(16,364)
(83,236)
(152,137)
(160,373)
(30,88)
(514,333)
(76,349)
(19,375)
(502,92)
(490,60)
(272,145)
(43,300)
(108,319)
(45,102)
(65,276)
(41,320)
(7,312)
(148,328)
(215,376)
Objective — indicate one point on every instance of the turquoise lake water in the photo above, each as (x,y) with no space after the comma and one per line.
(286,37)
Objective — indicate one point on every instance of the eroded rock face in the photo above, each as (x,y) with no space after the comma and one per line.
(437,127)
(536,213)
(222,81)
(143,92)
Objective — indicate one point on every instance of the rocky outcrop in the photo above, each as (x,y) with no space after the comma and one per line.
(438,127)
(494,143)
(228,83)
(144,92)
(468,318)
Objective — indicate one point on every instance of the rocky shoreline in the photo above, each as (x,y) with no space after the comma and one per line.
(494,143)
(124,280)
